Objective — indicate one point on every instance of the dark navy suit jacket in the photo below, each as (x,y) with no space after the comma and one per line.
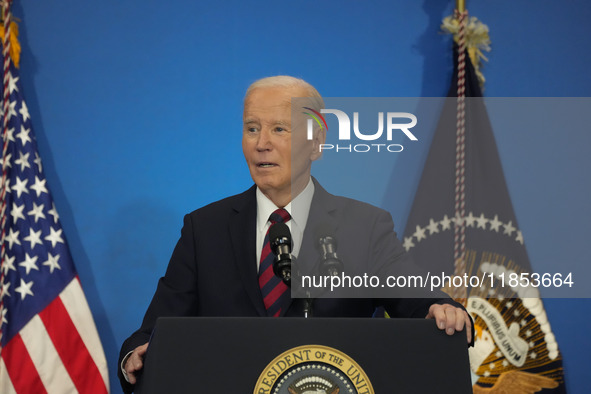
(213,271)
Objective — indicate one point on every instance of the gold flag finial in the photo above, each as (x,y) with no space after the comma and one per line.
(15,48)
(461,5)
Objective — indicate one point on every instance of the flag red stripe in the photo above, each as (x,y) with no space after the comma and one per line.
(20,367)
(71,349)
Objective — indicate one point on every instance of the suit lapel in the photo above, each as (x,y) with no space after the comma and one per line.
(243,235)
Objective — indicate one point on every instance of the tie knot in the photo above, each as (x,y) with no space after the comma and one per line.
(279,216)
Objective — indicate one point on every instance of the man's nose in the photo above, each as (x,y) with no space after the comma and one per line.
(264,140)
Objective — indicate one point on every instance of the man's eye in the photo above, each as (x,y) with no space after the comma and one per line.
(280,129)
(251,129)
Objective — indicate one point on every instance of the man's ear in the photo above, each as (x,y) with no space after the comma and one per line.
(319,139)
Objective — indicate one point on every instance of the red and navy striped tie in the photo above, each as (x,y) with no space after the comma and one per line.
(275,293)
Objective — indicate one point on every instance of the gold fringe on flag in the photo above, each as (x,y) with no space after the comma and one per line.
(477,40)
(15,46)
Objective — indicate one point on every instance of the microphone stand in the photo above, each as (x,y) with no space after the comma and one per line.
(308,305)
(329,265)
(281,247)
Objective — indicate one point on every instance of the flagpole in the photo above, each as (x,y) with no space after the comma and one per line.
(461,5)
(460,165)
(5,104)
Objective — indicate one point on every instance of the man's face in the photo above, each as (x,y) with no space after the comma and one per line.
(268,138)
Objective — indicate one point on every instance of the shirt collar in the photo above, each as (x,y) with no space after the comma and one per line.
(298,208)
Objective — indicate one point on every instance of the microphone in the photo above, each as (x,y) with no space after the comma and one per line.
(280,239)
(330,264)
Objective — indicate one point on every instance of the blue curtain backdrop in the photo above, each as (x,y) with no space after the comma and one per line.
(137,109)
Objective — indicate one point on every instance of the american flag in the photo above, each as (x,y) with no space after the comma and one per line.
(49,341)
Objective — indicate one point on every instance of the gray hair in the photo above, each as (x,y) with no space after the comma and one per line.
(286,81)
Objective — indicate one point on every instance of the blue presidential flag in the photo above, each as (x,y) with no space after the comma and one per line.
(462,222)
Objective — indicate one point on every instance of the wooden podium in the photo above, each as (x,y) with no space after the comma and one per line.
(296,355)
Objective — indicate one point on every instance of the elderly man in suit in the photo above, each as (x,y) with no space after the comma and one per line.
(220,264)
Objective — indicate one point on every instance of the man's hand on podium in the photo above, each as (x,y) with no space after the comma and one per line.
(451,319)
(135,362)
